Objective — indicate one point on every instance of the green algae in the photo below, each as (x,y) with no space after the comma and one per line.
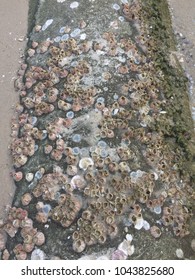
(178,122)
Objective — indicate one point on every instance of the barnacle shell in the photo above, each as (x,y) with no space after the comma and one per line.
(18,176)
(77,182)
(26,199)
(86,162)
(39,238)
(5,254)
(155,231)
(29,177)
(78,245)
(31,52)
(38,254)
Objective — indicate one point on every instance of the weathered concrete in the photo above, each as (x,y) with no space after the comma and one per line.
(174,124)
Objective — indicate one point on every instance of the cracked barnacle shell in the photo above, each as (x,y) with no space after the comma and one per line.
(28,232)
(41,217)
(85,163)
(30,52)
(62,105)
(123,69)
(28,102)
(19,252)
(39,238)
(112,230)
(37,28)
(113,166)
(126,247)
(5,255)
(75,235)
(62,199)
(56,154)
(102,239)
(21,160)
(76,106)
(19,108)
(29,177)
(26,222)
(10,229)
(124,167)
(123,100)
(17,176)
(34,44)
(155,231)
(47,149)
(72,170)
(28,247)
(118,255)
(52,136)
(43,46)
(77,182)
(52,95)
(78,245)
(60,144)
(26,199)
(86,215)
(110,133)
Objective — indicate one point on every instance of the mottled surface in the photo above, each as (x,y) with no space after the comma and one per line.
(104,141)
(183,17)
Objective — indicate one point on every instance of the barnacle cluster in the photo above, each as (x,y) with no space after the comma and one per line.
(97,131)
(18,221)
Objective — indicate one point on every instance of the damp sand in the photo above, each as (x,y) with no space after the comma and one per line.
(13,25)
(183,19)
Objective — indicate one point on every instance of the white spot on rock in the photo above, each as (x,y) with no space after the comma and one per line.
(46,24)
(74,5)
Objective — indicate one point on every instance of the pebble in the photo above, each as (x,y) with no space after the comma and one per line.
(70,115)
(124,1)
(121,18)
(65,37)
(57,39)
(74,5)
(193,245)
(46,24)
(76,151)
(179,253)
(75,32)
(157,209)
(76,138)
(116,7)
(83,36)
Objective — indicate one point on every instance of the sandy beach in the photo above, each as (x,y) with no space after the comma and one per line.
(13,24)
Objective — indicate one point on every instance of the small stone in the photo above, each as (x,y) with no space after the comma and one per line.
(74,5)
(75,32)
(57,39)
(116,7)
(179,253)
(65,37)
(46,24)
(193,245)
(83,36)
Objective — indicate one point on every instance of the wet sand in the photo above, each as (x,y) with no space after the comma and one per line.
(14,14)
(183,19)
